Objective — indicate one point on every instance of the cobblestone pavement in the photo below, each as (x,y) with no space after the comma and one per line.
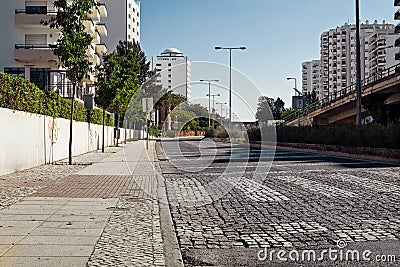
(305,201)
(132,236)
(16,186)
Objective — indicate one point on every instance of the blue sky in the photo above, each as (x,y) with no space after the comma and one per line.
(279,35)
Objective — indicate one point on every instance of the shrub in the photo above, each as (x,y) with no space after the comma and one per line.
(16,93)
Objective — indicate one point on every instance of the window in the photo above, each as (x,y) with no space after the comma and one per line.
(36,9)
(129,16)
(169,75)
(130,6)
(40,77)
(169,81)
(15,72)
(158,64)
(129,37)
(36,39)
(129,26)
(169,64)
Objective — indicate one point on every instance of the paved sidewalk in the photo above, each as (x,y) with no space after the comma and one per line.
(107,214)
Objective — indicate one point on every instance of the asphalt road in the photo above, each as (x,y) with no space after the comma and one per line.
(235,205)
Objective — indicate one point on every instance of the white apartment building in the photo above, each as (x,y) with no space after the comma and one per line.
(311,77)
(338,54)
(382,51)
(26,47)
(174,70)
(123,22)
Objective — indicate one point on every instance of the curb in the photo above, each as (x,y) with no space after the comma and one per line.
(172,253)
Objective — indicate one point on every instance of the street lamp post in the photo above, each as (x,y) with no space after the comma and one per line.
(209,100)
(296,92)
(358,65)
(221,108)
(230,74)
(213,106)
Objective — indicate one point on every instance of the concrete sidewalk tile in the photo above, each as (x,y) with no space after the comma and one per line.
(23,217)
(49,251)
(15,231)
(77,218)
(42,231)
(59,240)
(74,225)
(61,199)
(26,212)
(10,239)
(87,212)
(19,224)
(86,207)
(42,202)
(43,261)
(4,248)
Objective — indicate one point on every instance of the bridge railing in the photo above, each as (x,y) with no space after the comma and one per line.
(374,78)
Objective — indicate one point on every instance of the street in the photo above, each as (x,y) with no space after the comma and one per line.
(228,203)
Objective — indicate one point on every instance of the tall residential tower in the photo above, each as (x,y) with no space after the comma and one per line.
(174,70)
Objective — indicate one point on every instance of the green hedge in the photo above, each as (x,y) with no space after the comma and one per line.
(375,136)
(19,94)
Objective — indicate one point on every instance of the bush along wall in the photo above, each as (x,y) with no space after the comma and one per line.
(17,93)
(374,136)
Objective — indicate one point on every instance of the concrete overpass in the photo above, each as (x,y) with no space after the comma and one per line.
(340,108)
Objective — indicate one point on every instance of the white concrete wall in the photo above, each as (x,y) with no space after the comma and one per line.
(28,140)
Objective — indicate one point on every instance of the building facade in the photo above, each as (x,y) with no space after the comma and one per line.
(174,72)
(123,22)
(338,55)
(311,77)
(26,52)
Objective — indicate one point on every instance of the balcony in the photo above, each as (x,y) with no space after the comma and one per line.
(95,60)
(101,29)
(96,37)
(101,49)
(397,28)
(94,14)
(90,51)
(89,26)
(29,19)
(397,42)
(33,53)
(397,56)
(103,11)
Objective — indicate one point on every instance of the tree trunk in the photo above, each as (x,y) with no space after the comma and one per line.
(70,124)
(102,141)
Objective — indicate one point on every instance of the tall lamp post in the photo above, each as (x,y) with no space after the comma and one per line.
(213,106)
(358,65)
(296,92)
(221,108)
(209,100)
(230,74)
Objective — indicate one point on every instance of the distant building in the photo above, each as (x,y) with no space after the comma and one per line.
(174,70)
(123,22)
(25,50)
(338,56)
(311,77)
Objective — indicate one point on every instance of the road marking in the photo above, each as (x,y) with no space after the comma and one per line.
(256,191)
(320,188)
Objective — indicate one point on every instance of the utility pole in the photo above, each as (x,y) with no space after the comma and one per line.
(358,66)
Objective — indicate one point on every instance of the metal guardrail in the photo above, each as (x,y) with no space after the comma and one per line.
(374,78)
(35,46)
(37,12)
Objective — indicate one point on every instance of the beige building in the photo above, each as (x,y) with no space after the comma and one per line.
(26,51)
(338,56)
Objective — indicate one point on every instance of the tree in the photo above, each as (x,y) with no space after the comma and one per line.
(105,92)
(169,101)
(124,71)
(263,113)
(72,44)
(266,106)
